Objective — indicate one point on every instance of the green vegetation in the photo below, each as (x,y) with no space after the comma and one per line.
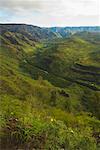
(50,95)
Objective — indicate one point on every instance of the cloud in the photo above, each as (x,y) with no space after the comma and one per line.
(49,12)
(49,6)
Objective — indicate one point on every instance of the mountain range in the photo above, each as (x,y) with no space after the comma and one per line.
(44,33)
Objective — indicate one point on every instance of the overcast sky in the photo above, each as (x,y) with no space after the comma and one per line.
(51,12)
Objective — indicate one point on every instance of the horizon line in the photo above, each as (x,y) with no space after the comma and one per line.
(49,26)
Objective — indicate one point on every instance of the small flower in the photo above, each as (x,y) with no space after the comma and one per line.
(72,131)
(52,119)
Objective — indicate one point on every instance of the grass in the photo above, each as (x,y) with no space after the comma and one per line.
(33,112)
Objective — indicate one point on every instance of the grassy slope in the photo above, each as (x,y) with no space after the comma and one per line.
(70,64)
(38,106)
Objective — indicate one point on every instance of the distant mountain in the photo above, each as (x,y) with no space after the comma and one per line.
(38,33)
(66,31)
(31,32)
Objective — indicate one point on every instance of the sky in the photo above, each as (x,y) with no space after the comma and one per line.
(47,13)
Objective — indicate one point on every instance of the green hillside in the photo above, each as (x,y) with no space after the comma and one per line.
(50,95)
(68,64)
